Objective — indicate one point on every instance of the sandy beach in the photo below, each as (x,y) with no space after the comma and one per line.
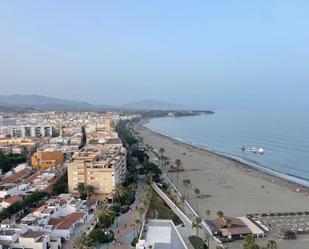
(228,185)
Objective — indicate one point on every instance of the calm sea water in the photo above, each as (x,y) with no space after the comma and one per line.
(283,135)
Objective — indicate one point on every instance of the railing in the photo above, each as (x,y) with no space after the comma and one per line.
(172,205)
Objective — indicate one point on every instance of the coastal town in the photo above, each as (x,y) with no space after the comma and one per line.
(103,180)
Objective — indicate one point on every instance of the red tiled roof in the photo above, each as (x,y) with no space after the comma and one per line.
(18,175)
(12,199)
(40,208)
(54,221)
(68,221)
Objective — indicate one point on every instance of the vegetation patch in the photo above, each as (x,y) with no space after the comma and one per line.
(197,242)
(61,186)
(7,162)
(28,202)
(159,209)
(98,236)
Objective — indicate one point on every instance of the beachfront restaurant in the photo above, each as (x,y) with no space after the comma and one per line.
(229,229)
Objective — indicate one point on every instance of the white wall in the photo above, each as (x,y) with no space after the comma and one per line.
(66,234)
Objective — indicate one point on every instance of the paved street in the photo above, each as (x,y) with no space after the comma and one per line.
(124,232)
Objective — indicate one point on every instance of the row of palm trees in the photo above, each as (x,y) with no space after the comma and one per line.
(138,222)
(186,183)
(83,241)
(105,212)
(250,243)
(164,162)
(85,191)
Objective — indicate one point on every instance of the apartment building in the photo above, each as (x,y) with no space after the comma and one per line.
(99,165)
(109,124)
(47,159)
(27,131)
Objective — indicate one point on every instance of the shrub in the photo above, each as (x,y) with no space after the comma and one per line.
(98,236)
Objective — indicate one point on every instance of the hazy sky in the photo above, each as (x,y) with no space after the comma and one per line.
(201,53)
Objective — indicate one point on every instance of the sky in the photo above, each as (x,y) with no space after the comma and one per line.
(196,53)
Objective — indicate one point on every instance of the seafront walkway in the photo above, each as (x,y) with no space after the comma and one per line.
(189,211)
(123,227)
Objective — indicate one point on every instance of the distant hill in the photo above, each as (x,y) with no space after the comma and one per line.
(152,104)
(36,100)
(20,102)
(43,103)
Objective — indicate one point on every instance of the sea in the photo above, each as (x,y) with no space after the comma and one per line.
(284,136)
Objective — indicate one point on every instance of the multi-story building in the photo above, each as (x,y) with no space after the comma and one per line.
(47,159)
(27,131)
(99,165)
(109,124)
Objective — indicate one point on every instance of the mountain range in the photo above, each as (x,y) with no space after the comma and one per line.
(19,101)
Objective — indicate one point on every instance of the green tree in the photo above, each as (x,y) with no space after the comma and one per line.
(106,216)
(228,223)
(249,243)
(206,239)
(138,224)
(82,242)
(89,191)
(81,190)
(161,158)
(197,225)
(118,192)
(186,185)
(271,244)
(197,193)
(141,212)
(178,166)
(182,201)
(97,235)
(208,214)
(220,215)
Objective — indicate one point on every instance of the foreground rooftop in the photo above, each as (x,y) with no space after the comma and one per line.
(161,234)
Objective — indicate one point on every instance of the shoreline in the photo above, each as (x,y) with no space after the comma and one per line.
(227,184)
(289,178)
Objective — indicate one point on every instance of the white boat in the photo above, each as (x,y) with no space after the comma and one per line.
(261,151)
(253,150)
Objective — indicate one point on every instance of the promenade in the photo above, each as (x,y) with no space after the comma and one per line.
(123,228)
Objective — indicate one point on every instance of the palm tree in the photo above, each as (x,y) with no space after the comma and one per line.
(171,169)
(89,191)
(208,214)
(134,229)
(104,210)
(196,192)
(118,192)
(182,201)
(166,163)
(141,211)
(161,157)
(82,242)
(249,243)
(197,225)
(271,244)
(206,239)
(138,224)
(81,188)
(178,164)
(186,185)
(228,223)
(220,215)
(161,151)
